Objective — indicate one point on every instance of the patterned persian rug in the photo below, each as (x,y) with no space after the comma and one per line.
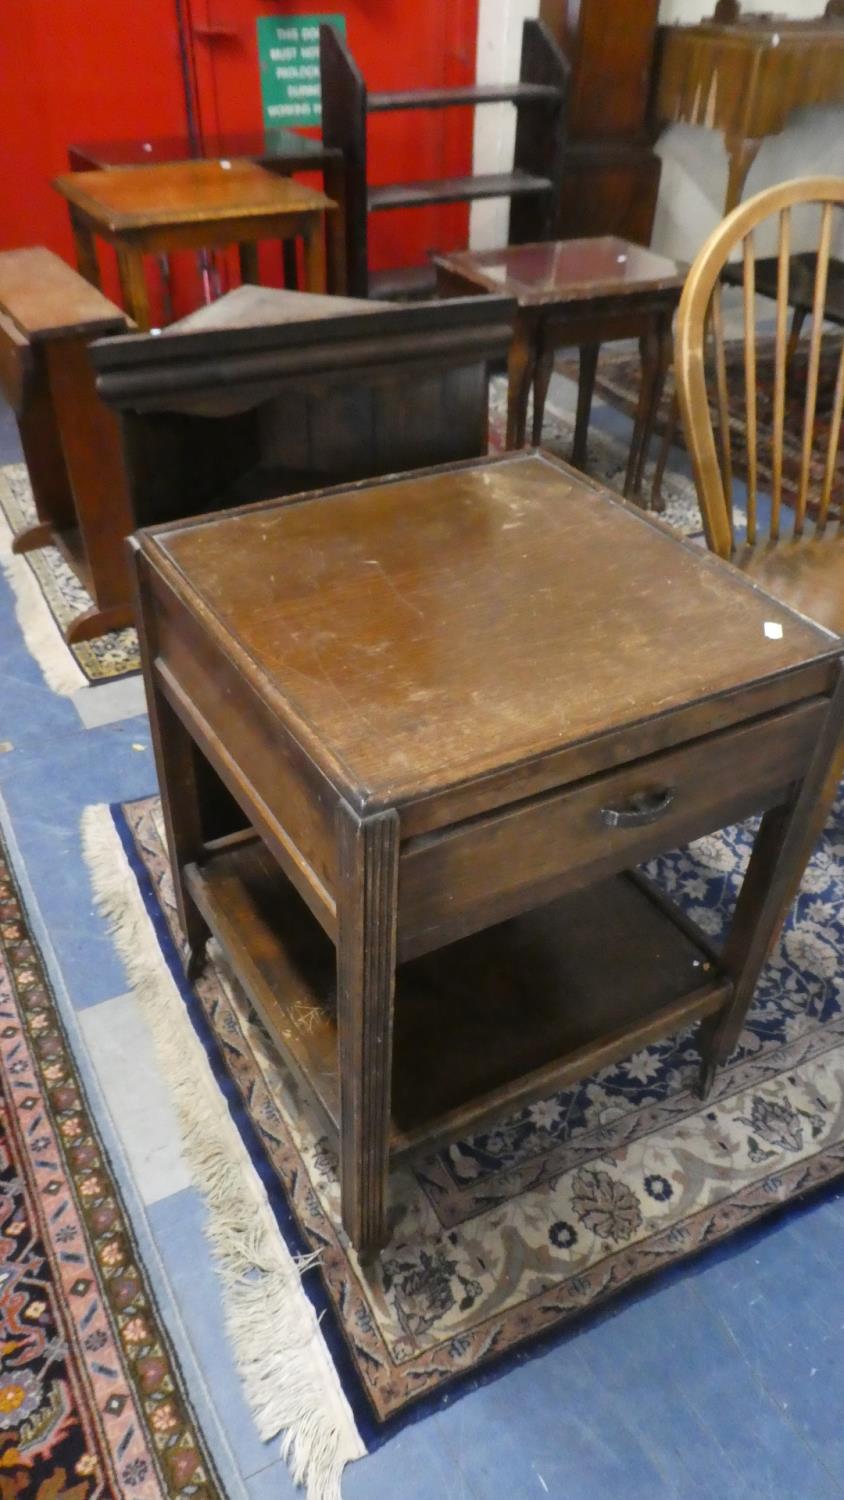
(618,383)
(92,1403)
(49,595)
(505,1236)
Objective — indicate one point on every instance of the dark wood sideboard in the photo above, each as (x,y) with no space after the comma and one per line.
(611,175)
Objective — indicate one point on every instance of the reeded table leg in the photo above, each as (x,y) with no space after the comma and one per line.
(175,759)
(366,967)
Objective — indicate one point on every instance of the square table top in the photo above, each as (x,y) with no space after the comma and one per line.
(191,192)
(288,148)
(565,270)
(425,630)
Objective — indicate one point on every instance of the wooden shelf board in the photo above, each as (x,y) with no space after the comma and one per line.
(483,1025)
(456,190)
(479,93)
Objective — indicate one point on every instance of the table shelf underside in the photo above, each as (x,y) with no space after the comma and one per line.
(484,1025)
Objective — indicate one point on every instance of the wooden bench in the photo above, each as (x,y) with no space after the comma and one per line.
(268,393)
(48,316)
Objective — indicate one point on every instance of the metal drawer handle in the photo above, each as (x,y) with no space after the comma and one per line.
(642,808)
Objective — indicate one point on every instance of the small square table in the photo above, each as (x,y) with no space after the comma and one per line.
(279,150)
(412,737)
(581,292)
(188,206)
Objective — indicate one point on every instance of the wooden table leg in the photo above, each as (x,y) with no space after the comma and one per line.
(659,353)
(787,835)
(520,367)
(247,254)
(541,382)
(133,286)
(367,904)
(86,250)
(666,443)
(289,265)
(588,356)
(334,181)
(175,760)
(742,154)
(314,237)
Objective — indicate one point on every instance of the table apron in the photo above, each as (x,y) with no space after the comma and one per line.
(492,867)
(209,234)
(282,795)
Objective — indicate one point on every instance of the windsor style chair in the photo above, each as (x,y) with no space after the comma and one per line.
(798,557)
(800,560)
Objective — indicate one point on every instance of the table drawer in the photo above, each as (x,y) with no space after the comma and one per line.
(489,868)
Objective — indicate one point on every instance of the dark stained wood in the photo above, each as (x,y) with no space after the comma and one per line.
(533,185)
(395,599)
(611,175)
(268,392)
(443,707)
(187,205)
(473,93)
(367,906)
(568,962)
(579,292)
(48,315)
(541,135)
(280,149)
(512,857)
(455,190)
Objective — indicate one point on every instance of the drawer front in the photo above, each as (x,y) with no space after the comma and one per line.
(490,868)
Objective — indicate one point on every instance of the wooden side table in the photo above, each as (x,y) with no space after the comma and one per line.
(439,728)
(282,151)
(70,440)
(581,292)
(189,206)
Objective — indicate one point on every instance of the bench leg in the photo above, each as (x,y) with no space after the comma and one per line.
(102,510)
(45,461)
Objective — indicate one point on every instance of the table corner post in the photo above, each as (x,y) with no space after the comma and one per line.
(367,910)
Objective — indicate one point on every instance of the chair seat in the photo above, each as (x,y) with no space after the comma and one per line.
(807,574)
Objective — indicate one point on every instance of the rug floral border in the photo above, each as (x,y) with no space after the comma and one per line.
(129,1392)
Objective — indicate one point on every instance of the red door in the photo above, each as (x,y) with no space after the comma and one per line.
(395,45)
(77,70)
(88,70)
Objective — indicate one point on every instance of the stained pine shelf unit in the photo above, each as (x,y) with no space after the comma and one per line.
(533,186)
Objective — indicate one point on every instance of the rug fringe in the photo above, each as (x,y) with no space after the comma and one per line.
(41,634)
(290,1381)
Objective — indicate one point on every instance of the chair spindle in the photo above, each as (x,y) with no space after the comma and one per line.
(749,289)
(723,398)
(780,358)
(818,305)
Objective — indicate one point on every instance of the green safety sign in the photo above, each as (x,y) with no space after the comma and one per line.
(288,54)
